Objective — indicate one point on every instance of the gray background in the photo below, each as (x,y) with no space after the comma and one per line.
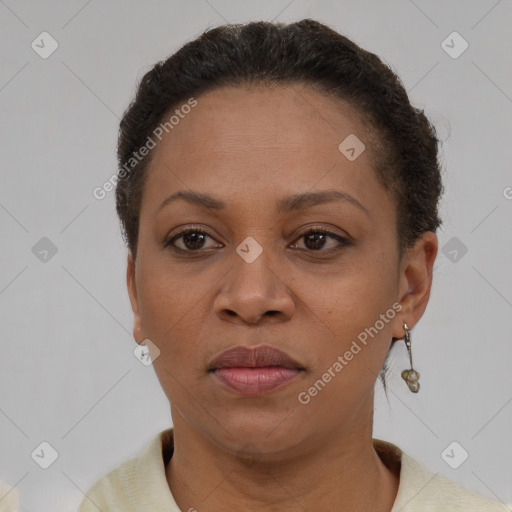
(68,375)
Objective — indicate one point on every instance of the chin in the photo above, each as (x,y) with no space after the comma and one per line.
(258,435)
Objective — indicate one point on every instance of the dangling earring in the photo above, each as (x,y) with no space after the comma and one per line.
(410,376)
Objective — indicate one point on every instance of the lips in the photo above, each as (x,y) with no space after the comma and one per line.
(259,357)
(254,371)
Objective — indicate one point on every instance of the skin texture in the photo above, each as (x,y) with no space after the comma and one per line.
(250,147)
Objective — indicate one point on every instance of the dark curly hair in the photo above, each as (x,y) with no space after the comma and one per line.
(403,142)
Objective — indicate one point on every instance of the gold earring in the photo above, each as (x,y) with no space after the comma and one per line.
(411,376)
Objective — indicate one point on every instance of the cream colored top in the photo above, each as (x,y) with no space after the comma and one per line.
(140,484)
(9,498)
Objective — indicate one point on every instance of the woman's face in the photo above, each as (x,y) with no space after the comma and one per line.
(253,150)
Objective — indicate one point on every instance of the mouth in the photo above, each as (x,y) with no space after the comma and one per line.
(254,371)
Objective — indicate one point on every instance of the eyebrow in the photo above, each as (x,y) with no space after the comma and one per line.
(292,203)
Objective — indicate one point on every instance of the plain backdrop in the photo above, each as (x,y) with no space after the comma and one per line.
(68,374)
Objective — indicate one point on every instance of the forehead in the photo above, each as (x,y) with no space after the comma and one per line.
(267,118)
(262,140)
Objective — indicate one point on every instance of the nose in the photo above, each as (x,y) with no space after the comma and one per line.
(254,293)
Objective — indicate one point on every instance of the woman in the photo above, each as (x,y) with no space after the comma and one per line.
(279,199)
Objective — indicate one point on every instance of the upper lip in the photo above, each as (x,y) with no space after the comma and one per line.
(257,357)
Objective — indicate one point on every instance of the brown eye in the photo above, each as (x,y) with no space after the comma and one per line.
(316,239)
(191,240)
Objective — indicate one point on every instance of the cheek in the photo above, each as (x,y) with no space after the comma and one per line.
(172,311)
(172,318)
(348,360)
(358,314)
(362,293)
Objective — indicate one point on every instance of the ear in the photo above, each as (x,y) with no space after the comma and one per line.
(415,281)
(131,283)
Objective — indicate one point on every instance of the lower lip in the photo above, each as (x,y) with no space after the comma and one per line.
(256,381)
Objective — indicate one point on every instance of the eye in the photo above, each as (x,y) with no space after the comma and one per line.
(192,239)
(316,238)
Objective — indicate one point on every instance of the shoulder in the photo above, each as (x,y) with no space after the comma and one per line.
(110,490)
(9,498)
(425,490)
(421,490)
(138,482)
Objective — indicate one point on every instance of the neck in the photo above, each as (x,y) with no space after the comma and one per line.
(343,473)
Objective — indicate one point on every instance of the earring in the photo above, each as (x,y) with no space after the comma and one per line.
(411,376)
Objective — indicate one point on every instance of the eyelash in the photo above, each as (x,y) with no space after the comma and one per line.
(344,242)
